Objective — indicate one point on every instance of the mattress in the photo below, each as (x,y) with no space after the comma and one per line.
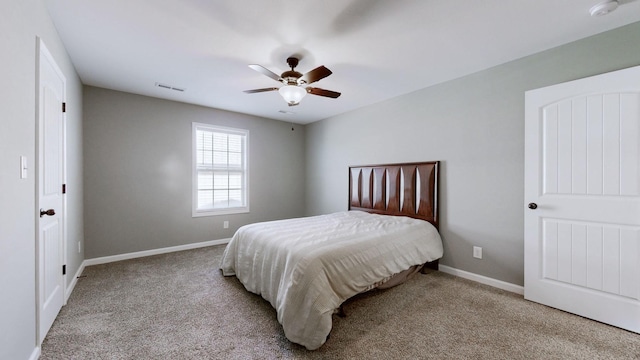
(307,267)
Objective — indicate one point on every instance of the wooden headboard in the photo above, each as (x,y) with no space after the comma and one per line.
(409,189)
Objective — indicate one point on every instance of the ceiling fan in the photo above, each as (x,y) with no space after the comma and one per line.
(293,90)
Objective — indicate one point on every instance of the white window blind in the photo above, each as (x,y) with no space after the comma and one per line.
(219,170)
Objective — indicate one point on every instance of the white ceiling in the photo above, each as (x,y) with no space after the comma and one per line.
(377,49)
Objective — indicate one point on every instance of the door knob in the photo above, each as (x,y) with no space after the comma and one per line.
(533,206)
(49,212)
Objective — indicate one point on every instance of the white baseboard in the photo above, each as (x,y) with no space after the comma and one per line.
(73,282)
(114,258)
(35,354)
(483,279)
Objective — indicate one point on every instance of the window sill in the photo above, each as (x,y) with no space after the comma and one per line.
(202,213)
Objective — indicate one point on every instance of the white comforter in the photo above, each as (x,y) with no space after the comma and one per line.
(307,267)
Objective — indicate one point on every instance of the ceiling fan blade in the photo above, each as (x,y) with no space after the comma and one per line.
(264,71)
(323,92)
(314,75)
(260,90)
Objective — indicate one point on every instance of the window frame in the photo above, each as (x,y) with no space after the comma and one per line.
(195,212)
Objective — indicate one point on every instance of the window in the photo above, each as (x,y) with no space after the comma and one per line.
(220,170)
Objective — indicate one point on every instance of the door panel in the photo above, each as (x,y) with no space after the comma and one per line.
(582,169)
(591,142)
(50,234)
(595,255)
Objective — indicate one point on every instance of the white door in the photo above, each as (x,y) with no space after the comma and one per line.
(582,170)
(51,94)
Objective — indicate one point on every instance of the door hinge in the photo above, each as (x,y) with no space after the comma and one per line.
(64,269)
(64,188)
(64,107)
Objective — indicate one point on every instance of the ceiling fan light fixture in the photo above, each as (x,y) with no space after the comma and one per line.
(292,94)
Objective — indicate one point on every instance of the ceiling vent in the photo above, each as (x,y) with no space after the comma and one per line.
(169,87)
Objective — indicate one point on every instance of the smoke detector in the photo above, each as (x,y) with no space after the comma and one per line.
(603,8)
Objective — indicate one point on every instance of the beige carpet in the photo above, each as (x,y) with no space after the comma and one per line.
(179,306)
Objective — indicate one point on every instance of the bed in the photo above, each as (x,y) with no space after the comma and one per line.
(307,267)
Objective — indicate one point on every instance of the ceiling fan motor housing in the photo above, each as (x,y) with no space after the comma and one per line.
(291,77)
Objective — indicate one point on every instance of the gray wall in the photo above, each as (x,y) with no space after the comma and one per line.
(475,126)
(137,161)
(23,21)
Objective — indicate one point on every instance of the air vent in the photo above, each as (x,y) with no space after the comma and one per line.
(286,112)
(169,87)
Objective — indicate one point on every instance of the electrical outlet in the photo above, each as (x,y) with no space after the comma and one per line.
(225,224)
(477,252)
